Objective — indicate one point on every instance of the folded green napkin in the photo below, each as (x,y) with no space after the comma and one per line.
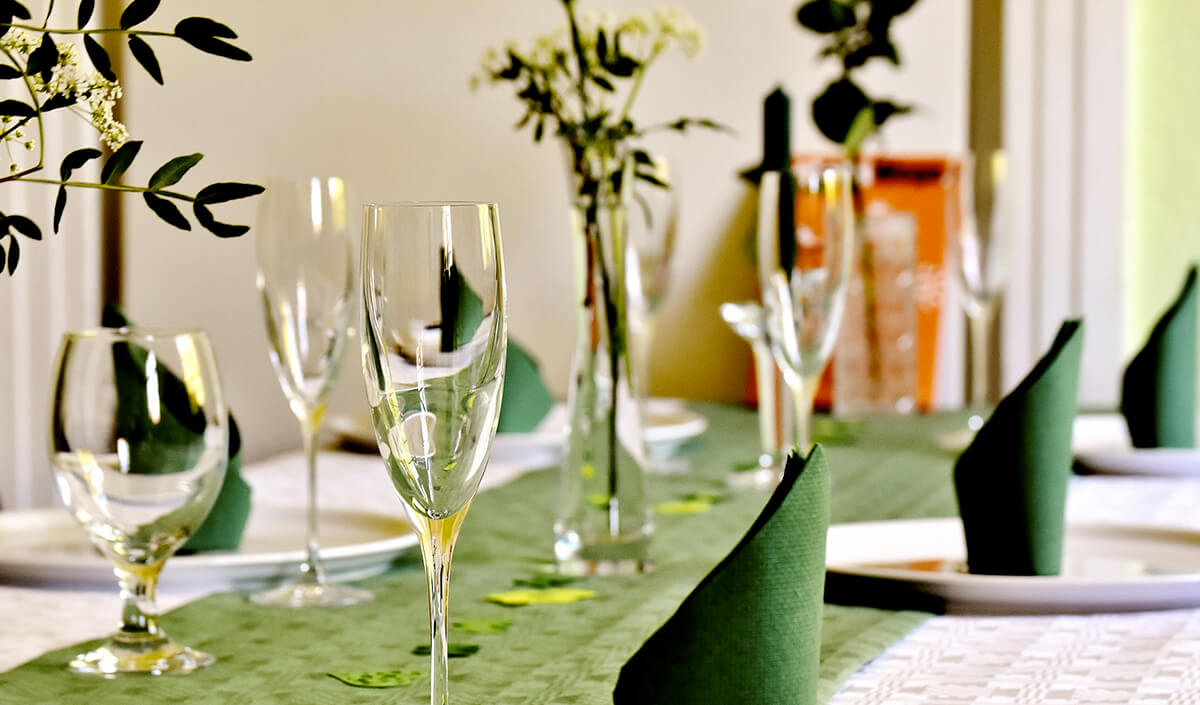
(750,631)
(1158,392)
(175,440)
(1011,481)
(526,399)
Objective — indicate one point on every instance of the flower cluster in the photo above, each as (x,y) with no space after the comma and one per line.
(93,97)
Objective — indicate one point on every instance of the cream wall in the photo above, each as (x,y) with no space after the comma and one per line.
(378,92)
(1163,180)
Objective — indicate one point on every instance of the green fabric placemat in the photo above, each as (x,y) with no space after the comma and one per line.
(562,654)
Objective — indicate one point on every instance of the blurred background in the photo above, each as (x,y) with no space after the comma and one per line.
(1101,145)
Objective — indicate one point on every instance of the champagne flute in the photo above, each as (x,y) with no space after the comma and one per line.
(138,443)
(978,242)
(806,232)
(434,342)
(305,253)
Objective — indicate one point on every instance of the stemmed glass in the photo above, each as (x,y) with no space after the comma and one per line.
(805,248)
(306,277)
(978,243)
(434,342)
(138,442)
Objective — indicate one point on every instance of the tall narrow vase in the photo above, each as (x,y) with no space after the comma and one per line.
(603,524)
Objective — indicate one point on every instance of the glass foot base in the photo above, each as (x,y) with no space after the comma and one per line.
(764,477)
(601,567)
(163,657)
(319,595)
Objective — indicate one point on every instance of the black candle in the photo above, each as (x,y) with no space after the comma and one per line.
(777,131)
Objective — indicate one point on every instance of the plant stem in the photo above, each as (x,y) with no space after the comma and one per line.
(37,107)
(106,187)
(113,30)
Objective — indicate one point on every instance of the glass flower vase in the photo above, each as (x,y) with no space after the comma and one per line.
(603,523)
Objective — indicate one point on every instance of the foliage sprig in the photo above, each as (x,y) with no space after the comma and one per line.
(53,78)
(858,31)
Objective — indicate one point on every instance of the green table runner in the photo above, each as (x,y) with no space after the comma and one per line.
(560,654)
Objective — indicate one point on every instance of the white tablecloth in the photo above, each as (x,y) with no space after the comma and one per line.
(1133,658)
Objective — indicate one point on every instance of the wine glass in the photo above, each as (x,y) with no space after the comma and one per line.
(978,243)
(806,229)
(138,443)
(305,253)
(775,428)
(434,342)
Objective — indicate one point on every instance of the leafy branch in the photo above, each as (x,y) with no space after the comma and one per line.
(858,32)
(53,80)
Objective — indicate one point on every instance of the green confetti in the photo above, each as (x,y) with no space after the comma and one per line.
(483,625)
(452,650)
(598,500)
(683,507)
(836,431)
(553,596)
(544,580)
(710,497)
(376,679)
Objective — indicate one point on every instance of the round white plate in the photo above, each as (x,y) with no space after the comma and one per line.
(1101,445)
(1106,568)
(48,546)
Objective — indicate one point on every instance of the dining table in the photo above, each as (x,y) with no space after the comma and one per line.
(571,653)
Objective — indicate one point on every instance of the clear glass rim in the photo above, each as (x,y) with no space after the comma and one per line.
(142,333)
(381,205)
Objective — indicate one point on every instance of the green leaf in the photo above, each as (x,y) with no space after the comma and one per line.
(60,205)
(167,211)
(205,217)
(860,130)
(170,173)
(885,109)
(8,72)
(202,34)
(14,255)
(892,8)
(25,226)
(76,159)
(3,257)
(99,57)
(452,650)
(116,165)
(58,101)
(16,108)
(483,625)
(376,679)
(603,83)
(652,179)
(223,191)
(541,581)
(14,8)
(825,16)
(145,56)
(43,59)
(138,12)
(86,7)
(836,108)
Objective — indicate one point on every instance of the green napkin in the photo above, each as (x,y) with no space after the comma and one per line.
(175,440)
(1158,392)
(1011,481)
(526,399)
(750,631)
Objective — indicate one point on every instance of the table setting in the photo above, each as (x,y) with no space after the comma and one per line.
(468,535)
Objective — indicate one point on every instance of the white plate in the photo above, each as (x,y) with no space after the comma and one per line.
(1106,568)
(48,546)
(668,425)
(1101,445)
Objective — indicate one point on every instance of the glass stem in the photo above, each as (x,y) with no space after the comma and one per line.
(312,571)
(768,417)
(804,395)
(437,549)
(139,616)
(979,330)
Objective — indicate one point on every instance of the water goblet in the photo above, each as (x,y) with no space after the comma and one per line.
(305,257)
(806,233)
(434,343)
(139,437)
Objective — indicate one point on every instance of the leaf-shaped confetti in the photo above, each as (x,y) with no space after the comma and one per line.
(376,679)
(683,506)
(542,581)
(452,650)
(482,625)
(553,596)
